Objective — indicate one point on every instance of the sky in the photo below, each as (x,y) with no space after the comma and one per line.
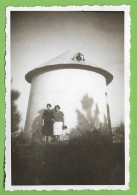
(37,37)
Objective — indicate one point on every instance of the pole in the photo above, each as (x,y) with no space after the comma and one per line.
(108,114)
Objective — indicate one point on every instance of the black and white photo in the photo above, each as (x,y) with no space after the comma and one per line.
(67,110)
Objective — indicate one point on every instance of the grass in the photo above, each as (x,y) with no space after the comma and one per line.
(84,162)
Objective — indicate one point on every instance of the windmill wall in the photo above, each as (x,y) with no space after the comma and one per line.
(80,94)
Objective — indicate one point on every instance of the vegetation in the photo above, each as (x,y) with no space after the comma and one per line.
(91,159)
(118,134)
(91,156)
(15,115)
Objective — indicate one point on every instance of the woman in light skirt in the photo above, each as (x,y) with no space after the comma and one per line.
(58,122)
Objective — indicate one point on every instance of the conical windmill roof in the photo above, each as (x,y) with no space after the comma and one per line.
(69,60)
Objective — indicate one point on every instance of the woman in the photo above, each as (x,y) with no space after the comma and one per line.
(47,129)
(58,122)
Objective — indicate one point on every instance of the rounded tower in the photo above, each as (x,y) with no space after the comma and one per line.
(72,82)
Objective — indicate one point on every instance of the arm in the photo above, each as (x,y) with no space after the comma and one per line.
(43,119)
(53,120)
(63,120)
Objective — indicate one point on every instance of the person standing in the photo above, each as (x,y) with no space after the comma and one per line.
(47,129)
(58,122)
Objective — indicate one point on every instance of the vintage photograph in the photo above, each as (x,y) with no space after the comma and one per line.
(67,98)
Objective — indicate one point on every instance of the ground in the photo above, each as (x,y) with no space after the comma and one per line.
(67,163)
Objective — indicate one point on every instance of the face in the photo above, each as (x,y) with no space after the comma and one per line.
(57,109)
(48,107)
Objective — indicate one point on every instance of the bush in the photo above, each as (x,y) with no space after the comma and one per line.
(15,115)
(118,134)
(90,161)
(88,137)
(21,139)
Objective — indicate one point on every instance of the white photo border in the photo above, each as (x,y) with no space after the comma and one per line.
(126,10)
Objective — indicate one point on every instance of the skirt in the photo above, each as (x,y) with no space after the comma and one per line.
(47,129)
(57,128)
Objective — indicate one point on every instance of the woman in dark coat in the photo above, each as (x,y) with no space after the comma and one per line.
(47,129)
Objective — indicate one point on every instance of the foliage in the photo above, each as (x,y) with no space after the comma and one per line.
(94,137)
(15,115)
(67,163)
(120,129)
(118,134)
(87,158)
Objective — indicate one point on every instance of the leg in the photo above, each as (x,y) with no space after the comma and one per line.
(44,137)
(58,137)
(53,137)
(47,139)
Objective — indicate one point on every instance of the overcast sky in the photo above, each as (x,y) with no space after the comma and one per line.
(37,37)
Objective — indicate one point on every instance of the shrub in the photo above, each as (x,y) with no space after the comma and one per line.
(118,134)
(90,137)
(15,115)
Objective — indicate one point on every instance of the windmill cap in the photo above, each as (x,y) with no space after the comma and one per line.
(69,60)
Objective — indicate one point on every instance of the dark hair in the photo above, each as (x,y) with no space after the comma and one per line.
(49,105)
(57,106)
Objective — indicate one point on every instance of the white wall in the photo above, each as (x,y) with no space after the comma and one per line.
(65,87)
